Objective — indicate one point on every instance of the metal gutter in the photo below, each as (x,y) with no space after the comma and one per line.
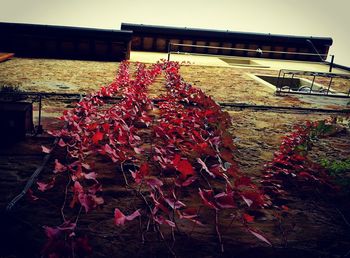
(223,34)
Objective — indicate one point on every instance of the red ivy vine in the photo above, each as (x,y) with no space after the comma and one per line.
(291,164)
(185,168)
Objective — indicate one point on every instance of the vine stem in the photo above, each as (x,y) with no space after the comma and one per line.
(343,217)
(135,190)
(194,223)
(218,231)
(79,212)
(65,199)
(164,240)
(124,175)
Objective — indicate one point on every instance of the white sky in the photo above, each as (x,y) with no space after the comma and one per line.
(329,18)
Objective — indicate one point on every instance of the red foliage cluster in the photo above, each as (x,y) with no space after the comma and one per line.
(191,152)
(109,131)
(291,164)
(193,146)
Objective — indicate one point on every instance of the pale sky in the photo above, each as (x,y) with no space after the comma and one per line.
(329,18)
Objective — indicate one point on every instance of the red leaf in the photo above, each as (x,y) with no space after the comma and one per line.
(285,208)
(306,175)
(46,186)
(134,215)
(225,200)
(227,155)
(227,141)
(154,182)
(45,149)
(106,149)
(209,112)
(183,166)
(120,218)
(160,220)
(253,197)
(91,176)
(187,182)
(95,188)
(242,181)
(248,218)
(59,167)
(61,143)
(86,166)
(208,198)
(189,213)
(51,233)
(89,201)
(259,236)
(31,196)
(176,160)
(174,204)
(67,226)
(98,136)
(217,170)
(233,170)
(77,189)
(144,171)
(82,246)
(247,201)
(92,127)
(138,150)
(169,223)
(105,127)
(204,148)
(205,168)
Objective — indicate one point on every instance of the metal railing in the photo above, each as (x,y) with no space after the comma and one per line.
(259,52)
(309,90)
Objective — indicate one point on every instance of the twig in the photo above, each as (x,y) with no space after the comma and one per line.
(124,175)
(141,231)
(77,218)
(205,179)
(344,219)
(194,223)
(347,254)
(65,199)
(166,243)
(217,230)
(135,190)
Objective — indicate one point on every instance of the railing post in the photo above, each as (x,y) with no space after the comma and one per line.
(292,82)
(278,82)
(329,86)
(312,84)
(40,127)
(331,64)
(169,48)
